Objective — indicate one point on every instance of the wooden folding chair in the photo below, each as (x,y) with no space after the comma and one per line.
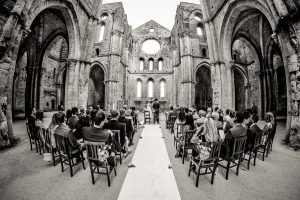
(237,153)
(32,138)
(147,117)
(50,147)
(187,145)
(171,123)
(210,163)
(253,152)
(66,155)
(95,164)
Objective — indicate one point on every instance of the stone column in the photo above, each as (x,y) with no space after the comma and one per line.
(281,8)
(83,86)
(72,80)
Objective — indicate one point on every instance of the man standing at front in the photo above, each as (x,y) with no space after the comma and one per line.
(156,107)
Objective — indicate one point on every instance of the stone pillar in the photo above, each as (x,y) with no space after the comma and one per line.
(281,8)
(83,87)
(72,80)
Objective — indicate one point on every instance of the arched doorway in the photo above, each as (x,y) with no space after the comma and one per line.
(203,89)
(40,81)
(96,95)
(239,90)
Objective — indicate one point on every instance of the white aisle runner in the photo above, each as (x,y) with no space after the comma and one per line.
(151,178)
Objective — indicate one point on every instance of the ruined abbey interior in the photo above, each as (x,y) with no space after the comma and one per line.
(229,54)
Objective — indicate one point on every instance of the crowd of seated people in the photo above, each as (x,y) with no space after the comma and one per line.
(92,124)
(212,125)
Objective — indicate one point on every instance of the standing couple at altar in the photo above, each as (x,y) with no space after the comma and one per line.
(153,110)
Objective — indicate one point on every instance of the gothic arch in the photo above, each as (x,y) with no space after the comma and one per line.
(229,22)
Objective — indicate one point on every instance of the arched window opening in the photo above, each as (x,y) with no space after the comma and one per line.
(162,88)
(160,64)
(97,52)
(102,30)
(141,64)
(150,88)
(151,61)
(200,30)
(204,53)
(234,57)
(139,88)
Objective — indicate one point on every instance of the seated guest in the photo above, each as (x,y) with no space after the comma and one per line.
(221,115)
(68,115)
(54,117)
(97,134)
(113,124)
(247,121)
(268,127)
(73,121)
(81,112)
(184,127)
(228,121)
(65,131)
(209,110)
(129,128)
(171,113)
(215,117)
(195,114)
(202,118)
(39,119)
(189,118)
(237,131)
(251,133)
(31,122)
(93,115)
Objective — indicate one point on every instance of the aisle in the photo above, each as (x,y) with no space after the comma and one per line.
(151,178)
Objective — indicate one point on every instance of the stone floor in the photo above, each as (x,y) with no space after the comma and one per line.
(24,175)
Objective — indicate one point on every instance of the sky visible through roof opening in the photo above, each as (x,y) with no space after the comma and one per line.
(141,11)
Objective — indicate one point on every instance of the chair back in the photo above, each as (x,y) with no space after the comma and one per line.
(239,145)
(92,149)
(187,136)
(214,153)
(173,119)
(116,135)
(29,131)
(257,140)
(62,145)
(146,114)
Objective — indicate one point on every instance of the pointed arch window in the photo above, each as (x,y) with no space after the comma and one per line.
(160,64)
(162,88)
(142,61)
(150,88)
(200,30)
(139,88)
(151,62)
(102,31)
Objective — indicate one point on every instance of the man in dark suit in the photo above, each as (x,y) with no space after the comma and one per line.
(189,118)
(129,127)
(156,107)
(237,131)
(73,121)
(97,134)
(113,124)
(252,132)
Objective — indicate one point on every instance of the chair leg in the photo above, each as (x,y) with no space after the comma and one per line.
(36,146)
(30,144)
(190,168)
(92,174)
(53,158)
(70,165)
(227,169)
(108,178)
(255,155)
(213,174)
(238,165)
(115,170)
(82,160)
(249,159)
(120,158)
(183,155)
(62,163)
(264,153)
(198,174)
